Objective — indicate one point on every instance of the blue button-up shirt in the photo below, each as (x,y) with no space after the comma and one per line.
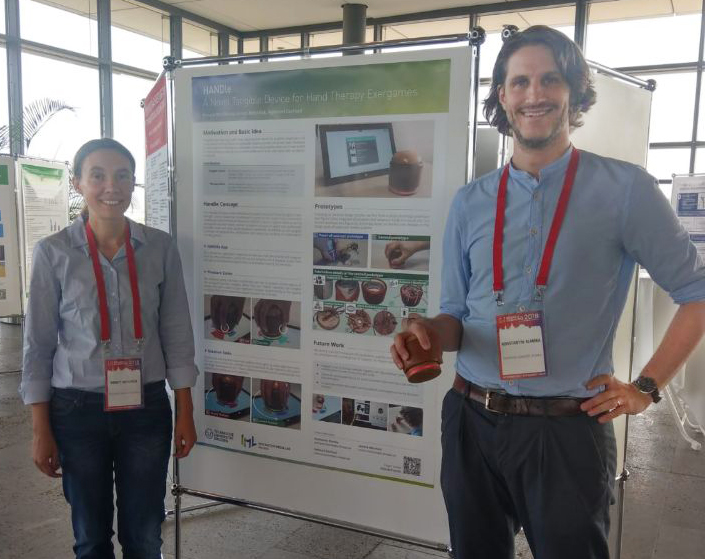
(616,217)
(62,345)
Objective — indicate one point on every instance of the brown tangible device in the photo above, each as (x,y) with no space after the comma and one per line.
(275,394)
(227,388)
(405,173)
(422,364)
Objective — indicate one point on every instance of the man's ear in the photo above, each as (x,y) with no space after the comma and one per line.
(75,182)
(500,95)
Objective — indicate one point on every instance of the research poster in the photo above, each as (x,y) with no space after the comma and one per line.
(156,170)
(44,186)
(688,201)
(320,196)
(10,300)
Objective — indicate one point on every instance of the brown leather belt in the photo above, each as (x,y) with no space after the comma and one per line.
(500,402)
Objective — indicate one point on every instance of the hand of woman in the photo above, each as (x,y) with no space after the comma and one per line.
(184,429)
(184,435)
(45,453)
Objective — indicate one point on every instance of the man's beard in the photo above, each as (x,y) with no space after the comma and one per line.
(538,143)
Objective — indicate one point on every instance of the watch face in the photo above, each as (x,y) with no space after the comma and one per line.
(646,385)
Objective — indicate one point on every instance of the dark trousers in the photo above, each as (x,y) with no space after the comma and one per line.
(134,445)
(553,476)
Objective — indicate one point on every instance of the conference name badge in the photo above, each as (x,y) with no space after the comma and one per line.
(123,384)
(521,348)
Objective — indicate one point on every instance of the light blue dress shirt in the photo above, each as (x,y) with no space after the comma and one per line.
(616,217)
(62,345)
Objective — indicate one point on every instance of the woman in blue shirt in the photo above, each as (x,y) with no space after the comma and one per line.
(107,322)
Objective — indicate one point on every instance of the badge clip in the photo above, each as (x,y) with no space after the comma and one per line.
(538,292)
(499,297)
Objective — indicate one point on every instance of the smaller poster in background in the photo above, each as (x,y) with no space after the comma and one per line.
(45,204)
(156,175)
(688,201)
(10,272)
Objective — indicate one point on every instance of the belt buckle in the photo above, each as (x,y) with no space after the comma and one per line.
(488,402)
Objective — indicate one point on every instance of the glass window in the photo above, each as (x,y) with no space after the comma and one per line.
(672,107)
(66,131)
(4,107)
(140,36)
(128,116)
(75,30)
(250,46)
(284,42)
(701,112)
(426,28)
(663,163)
(2,16)
(562,19)
(700,160)
(233,45)
(198,40)
(325,38)
(615,41)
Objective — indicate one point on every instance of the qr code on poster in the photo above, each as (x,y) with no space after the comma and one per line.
(412,466)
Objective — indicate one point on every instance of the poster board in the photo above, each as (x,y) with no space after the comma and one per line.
(156,173)
(263,225)
(10,270)
(43,205)
(688,201)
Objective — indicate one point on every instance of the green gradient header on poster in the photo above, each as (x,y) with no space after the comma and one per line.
(375,89)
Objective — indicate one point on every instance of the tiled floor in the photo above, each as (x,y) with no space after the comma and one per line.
(664,516)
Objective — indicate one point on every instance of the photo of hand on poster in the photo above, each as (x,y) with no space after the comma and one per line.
(375,159)
(326,408)
(340,249)
(227,318)
(401,252)
(276,323)
(406,420)
(277,403)
(227,396)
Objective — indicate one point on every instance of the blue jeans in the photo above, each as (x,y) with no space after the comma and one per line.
(135,446)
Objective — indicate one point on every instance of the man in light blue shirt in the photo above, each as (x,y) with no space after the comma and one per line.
(531,306)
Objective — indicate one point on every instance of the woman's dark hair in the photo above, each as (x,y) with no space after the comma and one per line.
(94,145)
(570,62)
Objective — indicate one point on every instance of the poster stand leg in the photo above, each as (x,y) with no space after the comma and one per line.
(178,490)
(622,480)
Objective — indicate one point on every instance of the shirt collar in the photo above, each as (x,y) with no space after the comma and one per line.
(77,232)
(558,166)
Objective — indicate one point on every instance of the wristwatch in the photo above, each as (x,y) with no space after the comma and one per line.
(647,385)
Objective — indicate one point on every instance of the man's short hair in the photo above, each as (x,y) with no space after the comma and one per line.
(570,62)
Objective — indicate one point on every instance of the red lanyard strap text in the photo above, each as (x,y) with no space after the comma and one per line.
(100,282)
(547,258)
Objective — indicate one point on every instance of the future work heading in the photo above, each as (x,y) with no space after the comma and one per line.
(394,88)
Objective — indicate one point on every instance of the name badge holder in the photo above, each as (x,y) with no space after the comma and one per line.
(520,336)
(123,371)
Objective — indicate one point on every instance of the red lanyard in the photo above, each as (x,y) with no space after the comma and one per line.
(100,281)
(547,258)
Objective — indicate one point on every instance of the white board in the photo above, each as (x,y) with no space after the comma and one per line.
(10,270)
(43,207)
(241,171)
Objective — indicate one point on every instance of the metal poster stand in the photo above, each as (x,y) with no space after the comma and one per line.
(474,38)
